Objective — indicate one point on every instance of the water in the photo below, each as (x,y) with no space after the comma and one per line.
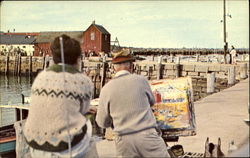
(12,87)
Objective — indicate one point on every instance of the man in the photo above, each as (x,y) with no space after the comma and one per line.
(233,54)
(125,106)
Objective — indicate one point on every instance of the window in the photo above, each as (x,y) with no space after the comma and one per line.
(24,46)
(2,46)
(92,36)
(106,37)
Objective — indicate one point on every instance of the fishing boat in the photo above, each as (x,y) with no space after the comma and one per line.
(9,114)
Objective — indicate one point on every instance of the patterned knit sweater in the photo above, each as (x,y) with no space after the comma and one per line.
(125,104)
(57,97)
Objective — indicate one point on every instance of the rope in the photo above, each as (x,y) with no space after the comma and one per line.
(66,115)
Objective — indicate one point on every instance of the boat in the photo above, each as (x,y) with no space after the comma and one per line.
(9,114)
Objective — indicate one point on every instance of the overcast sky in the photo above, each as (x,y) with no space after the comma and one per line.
(148,24)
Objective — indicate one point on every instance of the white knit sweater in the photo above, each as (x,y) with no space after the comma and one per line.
(57,97)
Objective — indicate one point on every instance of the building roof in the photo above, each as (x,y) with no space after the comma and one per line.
(16,39)
(47,37)
(22,33)
(101,28)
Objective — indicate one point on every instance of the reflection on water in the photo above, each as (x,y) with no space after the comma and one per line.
(11,88)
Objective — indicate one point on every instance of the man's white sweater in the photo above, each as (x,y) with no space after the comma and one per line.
(125,104)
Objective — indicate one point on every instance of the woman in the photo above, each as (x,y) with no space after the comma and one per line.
(60,96)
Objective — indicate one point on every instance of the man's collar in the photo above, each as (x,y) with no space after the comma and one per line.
(121,73)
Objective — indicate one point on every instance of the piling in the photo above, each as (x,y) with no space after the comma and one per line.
(231,75)
(7,65)
(159,70)
(103,73)
(15,64)
(171,58)
(148,74)
(139,70)
(19,65)
(210,82)
(80,64)
(243,71)
(46,62)
(178,67)
(197,57)
(97,75)
(44,66)
(30,65)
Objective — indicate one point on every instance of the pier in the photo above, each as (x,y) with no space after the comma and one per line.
(208,74)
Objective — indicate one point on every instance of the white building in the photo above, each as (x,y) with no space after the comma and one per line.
(15,44)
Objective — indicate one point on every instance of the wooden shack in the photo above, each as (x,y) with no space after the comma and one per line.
(96,39)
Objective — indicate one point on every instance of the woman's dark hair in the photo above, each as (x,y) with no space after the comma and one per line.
(71,48)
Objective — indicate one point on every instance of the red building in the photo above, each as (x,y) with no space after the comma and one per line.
(43,41)
(96,39)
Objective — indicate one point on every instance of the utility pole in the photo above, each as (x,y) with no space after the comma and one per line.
(225,33)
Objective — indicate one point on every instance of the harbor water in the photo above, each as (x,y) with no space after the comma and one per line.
(11,88)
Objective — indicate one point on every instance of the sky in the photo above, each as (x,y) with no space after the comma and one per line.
(147,24)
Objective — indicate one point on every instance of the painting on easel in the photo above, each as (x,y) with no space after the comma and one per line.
(174,108)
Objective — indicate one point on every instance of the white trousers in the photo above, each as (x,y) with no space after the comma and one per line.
(146,143)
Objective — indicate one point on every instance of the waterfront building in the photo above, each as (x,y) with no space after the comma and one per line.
(14,44)
(96,39)
(43,41)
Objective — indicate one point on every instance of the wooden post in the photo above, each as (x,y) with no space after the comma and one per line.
(159,70)
(51,62)
(207,58)
(97,74)
(30,65)
(171,58)
(15,64)
(148,70)
(178,66)
(19,65)
(7,65)
(98,69)
(46,62)
(80,64)
(177,60)
(197,57)
(243,57)
(243,71)
(103,73)
(231,75)
(139,69)
(210,82)
(44,66)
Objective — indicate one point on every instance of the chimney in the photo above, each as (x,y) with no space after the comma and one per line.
(93,22)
